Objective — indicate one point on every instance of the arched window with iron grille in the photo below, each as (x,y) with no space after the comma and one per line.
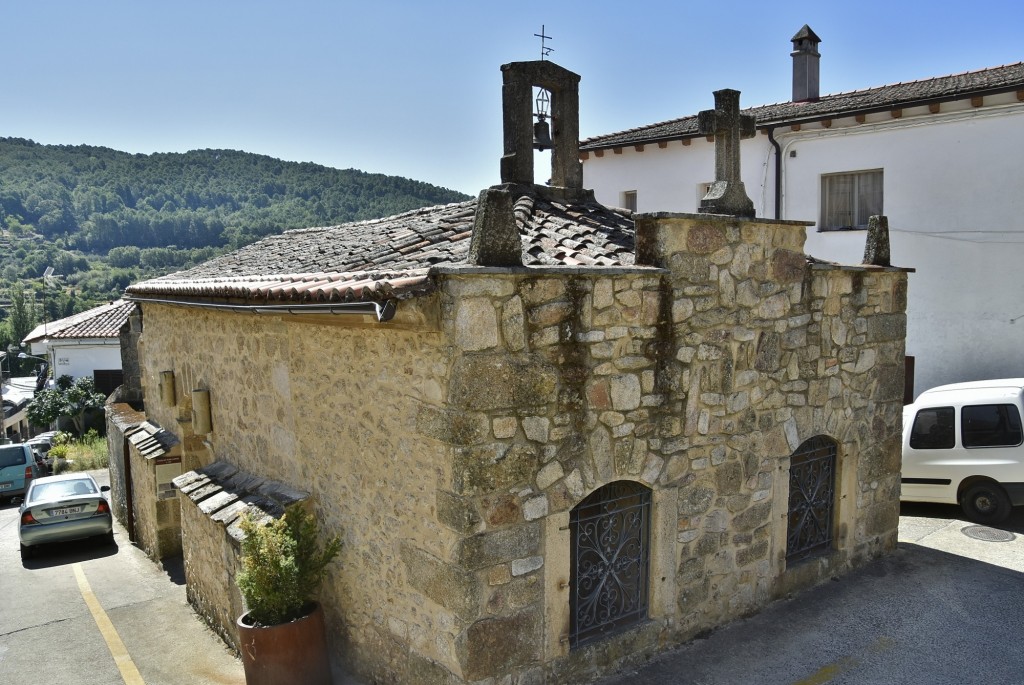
(610,539)
(812,495)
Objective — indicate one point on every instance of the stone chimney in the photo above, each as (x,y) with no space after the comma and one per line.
(805,65)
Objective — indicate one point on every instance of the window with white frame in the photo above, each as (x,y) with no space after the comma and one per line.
(702,190)
(847,200)
(629,200)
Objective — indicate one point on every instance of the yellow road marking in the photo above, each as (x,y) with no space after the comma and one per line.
(125,665)
(830,671)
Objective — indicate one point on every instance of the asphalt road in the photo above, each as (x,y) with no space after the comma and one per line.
(945,608)
(66,613)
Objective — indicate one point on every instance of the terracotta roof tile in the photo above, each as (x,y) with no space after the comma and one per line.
(392,257)
(955,86)
(104,321)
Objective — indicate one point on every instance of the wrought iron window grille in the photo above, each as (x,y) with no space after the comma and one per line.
(610,534)
(812,483)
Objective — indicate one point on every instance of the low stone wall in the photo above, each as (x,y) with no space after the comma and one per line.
(155,504)
(213,498)
(120,419)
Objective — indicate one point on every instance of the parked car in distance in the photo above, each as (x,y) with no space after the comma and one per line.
(41,445)
(63,508)
(18,468)
(964,444)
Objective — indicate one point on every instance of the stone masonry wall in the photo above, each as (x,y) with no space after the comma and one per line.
(146,522)
(449,446)
(120,418)
(698,379)
(211,561)
(157,522)
(332,410)
(558,375)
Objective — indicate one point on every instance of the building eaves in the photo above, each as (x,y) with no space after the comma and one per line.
(989,81)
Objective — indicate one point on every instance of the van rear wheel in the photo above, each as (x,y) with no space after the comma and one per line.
(986,503)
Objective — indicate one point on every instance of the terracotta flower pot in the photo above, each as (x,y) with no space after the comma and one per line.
(287,653)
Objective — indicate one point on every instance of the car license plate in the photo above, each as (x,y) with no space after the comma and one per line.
(6,486)
(66,511)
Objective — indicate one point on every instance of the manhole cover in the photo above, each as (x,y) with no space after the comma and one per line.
(988,534)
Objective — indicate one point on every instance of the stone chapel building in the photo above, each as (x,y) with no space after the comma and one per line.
(555,437)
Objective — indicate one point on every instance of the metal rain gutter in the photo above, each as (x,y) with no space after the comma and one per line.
(384,311)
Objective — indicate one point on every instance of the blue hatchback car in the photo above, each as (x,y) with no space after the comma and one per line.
(17,469)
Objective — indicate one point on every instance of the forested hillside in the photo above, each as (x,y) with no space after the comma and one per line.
(102,219)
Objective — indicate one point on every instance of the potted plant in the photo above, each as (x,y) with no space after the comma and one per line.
(281,636)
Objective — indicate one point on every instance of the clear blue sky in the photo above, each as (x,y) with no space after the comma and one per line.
(413,88)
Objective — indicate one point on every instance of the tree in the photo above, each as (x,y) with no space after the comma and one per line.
(124,257)
(24,313)
(71,398)
(22,318)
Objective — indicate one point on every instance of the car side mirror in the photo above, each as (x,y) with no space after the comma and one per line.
(104,488)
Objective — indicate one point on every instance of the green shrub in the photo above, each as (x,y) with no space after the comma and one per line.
(59,455)
(283,565)
(89,453)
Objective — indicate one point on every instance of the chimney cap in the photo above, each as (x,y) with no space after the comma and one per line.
(806,33)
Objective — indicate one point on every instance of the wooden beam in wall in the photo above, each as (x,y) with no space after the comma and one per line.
(599,153)
(638,148)
(662,144)
(896,113)
(710,138)
(934,107)
(794,127)
(826,123)
(686,142)
(584,156)
(617,150)
(859,118)
(977,101)
(1020,95)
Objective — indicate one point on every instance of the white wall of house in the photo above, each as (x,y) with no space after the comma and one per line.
(954,195)
(81,360)
(669,179)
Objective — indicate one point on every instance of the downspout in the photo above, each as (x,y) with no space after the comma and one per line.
(778,171)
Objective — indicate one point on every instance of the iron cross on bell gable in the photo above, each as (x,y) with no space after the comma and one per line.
(726,195)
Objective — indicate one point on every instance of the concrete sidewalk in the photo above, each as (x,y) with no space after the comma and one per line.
(944,608)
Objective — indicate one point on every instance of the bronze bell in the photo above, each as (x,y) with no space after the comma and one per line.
(542,136)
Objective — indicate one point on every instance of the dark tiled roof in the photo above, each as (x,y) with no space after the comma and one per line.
(957,86)
(104,321)
(392,257)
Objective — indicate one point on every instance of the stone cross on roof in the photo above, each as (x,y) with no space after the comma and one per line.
(726,195)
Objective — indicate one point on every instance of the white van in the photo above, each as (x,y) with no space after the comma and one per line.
(963,444)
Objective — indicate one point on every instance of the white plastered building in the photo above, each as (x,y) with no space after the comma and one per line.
(84,344)
(942,158)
